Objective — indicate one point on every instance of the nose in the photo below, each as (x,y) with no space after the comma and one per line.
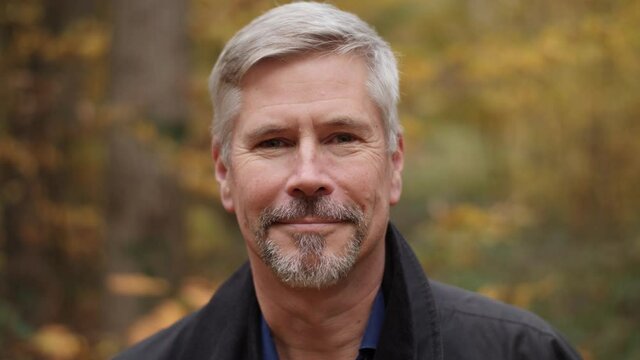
(309,176)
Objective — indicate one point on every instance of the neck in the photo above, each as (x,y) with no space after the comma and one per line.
(323,323)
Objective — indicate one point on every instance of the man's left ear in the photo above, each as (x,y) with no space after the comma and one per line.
(397,163)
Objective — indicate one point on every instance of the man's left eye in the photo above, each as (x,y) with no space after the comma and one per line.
(342,138)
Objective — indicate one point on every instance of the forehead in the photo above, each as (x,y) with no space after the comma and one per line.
(304,78)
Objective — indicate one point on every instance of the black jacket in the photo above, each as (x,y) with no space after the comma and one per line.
(425,320)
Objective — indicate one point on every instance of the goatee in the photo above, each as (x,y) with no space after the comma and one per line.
(311,265)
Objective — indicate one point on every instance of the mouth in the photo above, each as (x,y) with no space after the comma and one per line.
(309,221)
(309,224)
(319,215)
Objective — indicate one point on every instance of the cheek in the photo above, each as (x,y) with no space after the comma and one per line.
(365,184)
(254,191)
(249,201)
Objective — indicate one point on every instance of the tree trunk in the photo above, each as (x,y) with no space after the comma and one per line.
(144,206)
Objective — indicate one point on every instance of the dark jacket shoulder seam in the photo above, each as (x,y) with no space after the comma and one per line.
(515,322)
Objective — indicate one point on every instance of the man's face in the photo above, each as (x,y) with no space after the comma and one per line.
(309,175)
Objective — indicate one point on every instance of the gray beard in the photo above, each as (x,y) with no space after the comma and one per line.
(310,266)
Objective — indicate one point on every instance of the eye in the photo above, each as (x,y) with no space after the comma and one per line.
(342,138)
(271,144)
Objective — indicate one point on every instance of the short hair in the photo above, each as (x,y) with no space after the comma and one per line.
(300,28)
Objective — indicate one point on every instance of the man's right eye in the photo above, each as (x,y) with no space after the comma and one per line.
(271,144)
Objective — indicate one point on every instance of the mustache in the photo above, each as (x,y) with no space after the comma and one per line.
(317,207)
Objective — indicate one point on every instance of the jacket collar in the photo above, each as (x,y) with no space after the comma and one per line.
(228,327)
(411,329)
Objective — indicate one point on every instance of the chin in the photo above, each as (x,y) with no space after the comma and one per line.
(311,264)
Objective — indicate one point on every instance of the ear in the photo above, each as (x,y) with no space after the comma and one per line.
(223,176)
(397,163)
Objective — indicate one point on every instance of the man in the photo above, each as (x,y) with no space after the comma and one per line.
(308,154)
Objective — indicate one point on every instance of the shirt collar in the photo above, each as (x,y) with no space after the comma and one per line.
(374,324)
(369,340)
(268,346)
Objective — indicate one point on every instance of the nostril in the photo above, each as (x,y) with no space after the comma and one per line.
(298,193)
(306,192)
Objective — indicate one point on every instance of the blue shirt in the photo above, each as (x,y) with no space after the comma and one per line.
(367,346)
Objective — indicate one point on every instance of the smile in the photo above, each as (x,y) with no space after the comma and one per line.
(309,224)
(309,221)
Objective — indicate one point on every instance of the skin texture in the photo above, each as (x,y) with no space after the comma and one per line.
(307,128)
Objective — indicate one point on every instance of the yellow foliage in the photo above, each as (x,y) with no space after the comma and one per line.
(586,353)
(160,317)
(94,40)
(22,12)
(12,191)
(145,132)
(483,224)
(57,342)
(18,155)
(29,42)
(422,69)
(84,39)
(136,284)
(493,291)
(521,294)
(70,216)
(415,129)
(107,347)
(81,223)
(196,172)
(461,235)
(196,291)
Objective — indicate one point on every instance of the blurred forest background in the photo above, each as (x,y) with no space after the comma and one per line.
(522,125)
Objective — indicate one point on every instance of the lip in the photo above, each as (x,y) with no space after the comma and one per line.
(309,221)
(309,224)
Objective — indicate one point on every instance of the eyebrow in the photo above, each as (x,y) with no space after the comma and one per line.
(349,122)
(357,125)
(268,130)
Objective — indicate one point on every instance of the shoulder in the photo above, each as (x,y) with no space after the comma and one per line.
(473,307)
(218,326)
(163,345)
(476,327)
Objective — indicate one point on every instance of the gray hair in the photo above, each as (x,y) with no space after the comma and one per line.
(297,28)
